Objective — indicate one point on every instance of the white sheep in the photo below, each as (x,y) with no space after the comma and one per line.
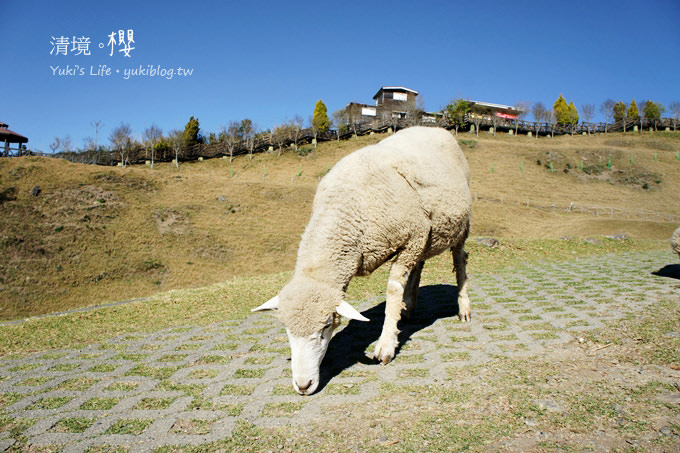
(675,241)
(405,199)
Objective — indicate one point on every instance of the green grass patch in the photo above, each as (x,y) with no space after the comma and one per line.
(73,425)
(248,373)
(154,404)
(35,381)
(122,387)
(284,409)
(154,372)
(192,426)
(50,403)
(237,390)
(100,404)
(129,426)
(203,374)
(213,360)
(103,368)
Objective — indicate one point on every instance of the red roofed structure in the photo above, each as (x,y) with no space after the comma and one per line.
(8,137)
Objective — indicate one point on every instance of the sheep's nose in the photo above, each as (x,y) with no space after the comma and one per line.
(303,388)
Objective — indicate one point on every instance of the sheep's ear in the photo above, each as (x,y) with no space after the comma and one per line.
(346,310)
(271,304)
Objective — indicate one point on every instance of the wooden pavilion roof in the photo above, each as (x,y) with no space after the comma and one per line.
(9,136)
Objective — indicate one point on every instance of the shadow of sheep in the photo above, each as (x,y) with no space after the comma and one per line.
(349,346)
(670,271)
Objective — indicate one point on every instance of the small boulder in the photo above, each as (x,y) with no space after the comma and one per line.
(618,237)
(35,191)
(488,242)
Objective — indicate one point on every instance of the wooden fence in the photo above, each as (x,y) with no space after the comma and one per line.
(303,137)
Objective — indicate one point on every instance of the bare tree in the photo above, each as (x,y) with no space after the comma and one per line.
(248,130)
(587,112)
(340,121)
(607,109)
(120,138)
(88,142)
(231,136)
(176,139)
(296,130)
(675,108)
(642,113)
(539,111)
(96,125)
(280,135)
(55,145)
(523,108)
(477,114)
(551,118)
(152,136)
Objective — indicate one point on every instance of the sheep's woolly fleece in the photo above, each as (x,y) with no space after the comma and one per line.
(675,241)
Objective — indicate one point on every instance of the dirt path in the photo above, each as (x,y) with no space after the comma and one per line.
(192,385)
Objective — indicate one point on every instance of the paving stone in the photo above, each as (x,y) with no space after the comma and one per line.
(143,390)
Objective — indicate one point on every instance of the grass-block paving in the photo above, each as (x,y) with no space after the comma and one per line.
(191,385)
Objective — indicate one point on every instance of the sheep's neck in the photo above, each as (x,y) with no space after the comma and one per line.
(332,265)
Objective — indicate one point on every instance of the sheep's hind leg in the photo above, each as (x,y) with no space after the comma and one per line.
(459,263)
(394,306)
(411,290)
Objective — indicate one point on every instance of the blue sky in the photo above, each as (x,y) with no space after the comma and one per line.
(272,60)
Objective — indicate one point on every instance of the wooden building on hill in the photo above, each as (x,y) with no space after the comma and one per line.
(7,137)
(391,102)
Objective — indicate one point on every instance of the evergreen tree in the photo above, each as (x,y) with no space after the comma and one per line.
(619,111)
(561,109)
(455,113)
(320,120)
(652,111)
(573,114)
(633,112)
(190,135)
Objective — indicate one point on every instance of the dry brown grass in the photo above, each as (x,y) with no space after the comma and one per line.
(100,234)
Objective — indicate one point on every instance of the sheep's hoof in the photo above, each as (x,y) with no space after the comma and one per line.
(384,353)
(384,360)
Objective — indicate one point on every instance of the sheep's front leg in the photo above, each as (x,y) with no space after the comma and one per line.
(460,263)
(394,305)
(411,290)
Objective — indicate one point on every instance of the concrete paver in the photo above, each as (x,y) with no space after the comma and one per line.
(190,385)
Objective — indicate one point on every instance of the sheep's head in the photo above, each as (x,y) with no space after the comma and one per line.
(311,312)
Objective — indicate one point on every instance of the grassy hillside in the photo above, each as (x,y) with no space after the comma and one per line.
(94,234)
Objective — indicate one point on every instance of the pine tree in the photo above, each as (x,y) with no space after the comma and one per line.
(320,120)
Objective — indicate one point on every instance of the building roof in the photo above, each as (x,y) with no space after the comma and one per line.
(496,106)
(10,136)
(395,89)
